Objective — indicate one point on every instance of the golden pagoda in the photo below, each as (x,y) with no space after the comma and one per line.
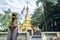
(27,25)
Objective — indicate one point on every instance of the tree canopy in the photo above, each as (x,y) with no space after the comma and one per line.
(5,19)
(50,19)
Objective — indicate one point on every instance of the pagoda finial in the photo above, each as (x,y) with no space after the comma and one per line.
(27,7)
(26,10)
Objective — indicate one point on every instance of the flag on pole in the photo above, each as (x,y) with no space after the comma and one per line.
(23,10)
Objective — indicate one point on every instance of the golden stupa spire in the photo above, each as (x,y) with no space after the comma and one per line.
(27,17)
(27,22)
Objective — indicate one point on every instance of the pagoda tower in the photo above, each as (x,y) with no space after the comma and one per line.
(27,25)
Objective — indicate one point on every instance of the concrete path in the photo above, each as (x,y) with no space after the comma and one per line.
(34,38)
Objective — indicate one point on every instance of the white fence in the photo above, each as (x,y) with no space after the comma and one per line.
(50,35)
(21,36)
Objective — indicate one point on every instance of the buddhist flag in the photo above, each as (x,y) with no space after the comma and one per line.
(23,10)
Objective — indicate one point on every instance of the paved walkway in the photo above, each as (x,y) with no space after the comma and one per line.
(35,38)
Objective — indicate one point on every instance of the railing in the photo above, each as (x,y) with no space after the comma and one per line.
(50,35)
(21,36)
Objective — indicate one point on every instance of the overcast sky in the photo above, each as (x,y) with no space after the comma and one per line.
(17,5)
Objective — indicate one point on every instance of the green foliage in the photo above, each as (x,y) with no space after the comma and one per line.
(37,17)
(50,20)
(5,19)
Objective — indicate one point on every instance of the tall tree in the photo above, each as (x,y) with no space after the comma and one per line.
(6,19)
(51,15)
(37,17)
